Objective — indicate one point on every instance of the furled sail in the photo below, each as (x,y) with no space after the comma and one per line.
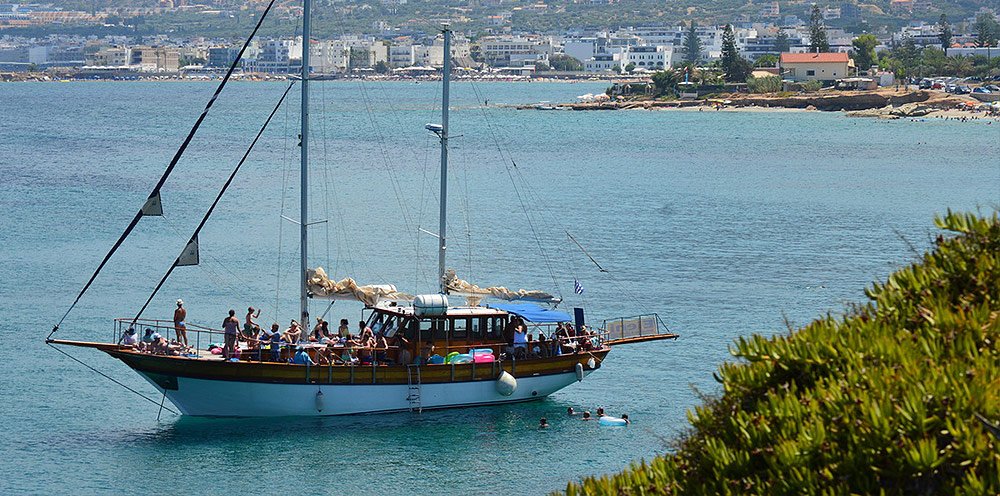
(321,286)
(454,285)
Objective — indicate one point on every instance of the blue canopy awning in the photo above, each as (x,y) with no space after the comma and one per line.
(533,313)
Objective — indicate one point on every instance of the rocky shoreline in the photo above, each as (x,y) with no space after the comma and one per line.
(884,104)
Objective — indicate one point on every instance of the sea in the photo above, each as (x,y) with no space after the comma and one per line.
(721,223)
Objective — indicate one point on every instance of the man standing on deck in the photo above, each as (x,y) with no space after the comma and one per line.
(180,315)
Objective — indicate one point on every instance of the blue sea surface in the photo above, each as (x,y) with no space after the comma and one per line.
(723,223)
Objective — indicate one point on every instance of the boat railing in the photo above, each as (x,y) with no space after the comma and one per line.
(163,327)
(636,328)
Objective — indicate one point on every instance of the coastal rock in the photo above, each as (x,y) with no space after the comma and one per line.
(911,110)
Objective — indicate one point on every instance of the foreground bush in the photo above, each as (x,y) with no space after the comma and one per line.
(880,400)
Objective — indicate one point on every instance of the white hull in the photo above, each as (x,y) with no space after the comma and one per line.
(202,397)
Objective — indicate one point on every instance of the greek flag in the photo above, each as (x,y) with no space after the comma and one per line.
(577,287)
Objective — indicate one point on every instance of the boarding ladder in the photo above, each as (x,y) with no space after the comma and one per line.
(413,395)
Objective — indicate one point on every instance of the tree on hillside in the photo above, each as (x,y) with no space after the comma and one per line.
(864,51)
(781,44)
(817,32)
(563,62)
(735,67)
(944,33)
(692,45)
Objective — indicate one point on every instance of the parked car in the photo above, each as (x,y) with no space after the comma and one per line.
(950,88)
(962,90)
(993,88)
(925,84)
(937,86)
(981,90)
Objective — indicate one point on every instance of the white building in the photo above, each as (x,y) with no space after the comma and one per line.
(649,57)
(604,62)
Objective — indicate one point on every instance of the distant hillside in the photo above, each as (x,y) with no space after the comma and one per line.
(334,17)
(882,400)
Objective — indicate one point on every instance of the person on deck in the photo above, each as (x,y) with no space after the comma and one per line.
(250,327)
(230,325)
(301,357)
(274,337)
(365,334)
(129,338)
(293,333)
(180,316)
(317,331)
(520,341)
(344,330)
(404,357)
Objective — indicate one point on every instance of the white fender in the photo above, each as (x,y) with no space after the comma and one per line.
(579,372)
(591,363)
(506,384)
(319,401)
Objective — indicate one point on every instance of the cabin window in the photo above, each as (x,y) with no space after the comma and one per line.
(460,328)
(434,329)
(810,73)
(497,325)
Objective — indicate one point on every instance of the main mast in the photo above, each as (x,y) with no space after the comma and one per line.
(443,215)
(304,172)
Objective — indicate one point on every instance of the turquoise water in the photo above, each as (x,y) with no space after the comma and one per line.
(723,223)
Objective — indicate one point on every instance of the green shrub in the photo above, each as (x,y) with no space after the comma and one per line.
(767,84)
(812,86)
(880,400)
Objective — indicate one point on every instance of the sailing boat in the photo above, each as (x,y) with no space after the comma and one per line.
(443,355)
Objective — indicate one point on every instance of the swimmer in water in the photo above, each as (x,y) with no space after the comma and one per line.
(570,411)
(625,418)
(543,423)
(600,412)
(586,416)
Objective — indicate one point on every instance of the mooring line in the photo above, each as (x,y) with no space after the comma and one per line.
(112,379)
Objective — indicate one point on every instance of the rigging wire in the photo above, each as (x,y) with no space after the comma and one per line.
(517,192)
(281,214)
(155,194)
(204,220)
(112,379)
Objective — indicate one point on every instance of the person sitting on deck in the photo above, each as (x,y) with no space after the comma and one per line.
(533,349)
(301,357)
(426,352)
(293,333)
(543,346)
(348,356)
(317,332)
(129,338)
(250,327)
(325,335)
(344,330)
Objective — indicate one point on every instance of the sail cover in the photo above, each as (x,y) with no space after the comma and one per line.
(454,285)
(533,313)
(322,286)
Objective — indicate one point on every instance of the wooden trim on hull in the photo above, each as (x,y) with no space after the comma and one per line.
(283,373)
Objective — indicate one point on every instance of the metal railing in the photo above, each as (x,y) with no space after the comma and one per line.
(636,326)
